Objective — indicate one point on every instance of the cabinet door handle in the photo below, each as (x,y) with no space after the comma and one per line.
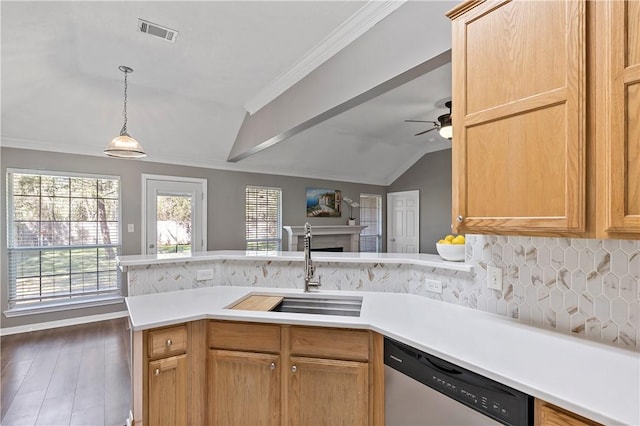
(157,372)
(460,218)
(169,342)
(294,369)
(272,366)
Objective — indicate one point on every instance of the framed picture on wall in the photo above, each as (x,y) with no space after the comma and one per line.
(323,202)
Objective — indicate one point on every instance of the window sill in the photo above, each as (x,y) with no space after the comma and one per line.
(67,306)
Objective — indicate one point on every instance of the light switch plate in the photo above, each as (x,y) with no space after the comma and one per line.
(130,227)
(494,278)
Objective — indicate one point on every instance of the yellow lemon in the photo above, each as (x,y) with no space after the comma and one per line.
(441,241)
(449,237)
(445,242)
(458,240)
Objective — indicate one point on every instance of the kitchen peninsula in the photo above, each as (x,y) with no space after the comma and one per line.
(597,381)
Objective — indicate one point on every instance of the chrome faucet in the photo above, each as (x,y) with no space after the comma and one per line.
(309,269)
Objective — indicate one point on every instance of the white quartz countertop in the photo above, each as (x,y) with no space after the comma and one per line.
(597,381)
(430,260)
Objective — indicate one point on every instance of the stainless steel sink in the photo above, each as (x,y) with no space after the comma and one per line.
(324,305)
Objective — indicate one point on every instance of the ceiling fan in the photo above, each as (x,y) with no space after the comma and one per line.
(443,125)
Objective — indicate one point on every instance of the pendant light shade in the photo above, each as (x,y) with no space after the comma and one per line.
(124,146)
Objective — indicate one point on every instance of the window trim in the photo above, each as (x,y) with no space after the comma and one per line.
(279,239)
(80,301)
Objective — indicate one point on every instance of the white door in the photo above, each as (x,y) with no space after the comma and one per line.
(174,212)
(403,222)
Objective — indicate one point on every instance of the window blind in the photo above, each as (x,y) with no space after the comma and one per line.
(371,216)
(263,218)
(63,237)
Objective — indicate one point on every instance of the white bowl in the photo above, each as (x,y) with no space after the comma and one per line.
(452,252)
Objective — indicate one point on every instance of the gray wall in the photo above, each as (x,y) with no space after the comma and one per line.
(226,198)
(432,176)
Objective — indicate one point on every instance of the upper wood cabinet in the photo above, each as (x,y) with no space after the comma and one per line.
(617,27)
(519,116)
(546,117)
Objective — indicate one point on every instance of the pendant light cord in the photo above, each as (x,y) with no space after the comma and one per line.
(123,132)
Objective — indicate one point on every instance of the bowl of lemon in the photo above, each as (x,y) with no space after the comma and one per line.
(451,248)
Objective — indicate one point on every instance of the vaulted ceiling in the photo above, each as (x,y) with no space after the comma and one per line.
(62,90)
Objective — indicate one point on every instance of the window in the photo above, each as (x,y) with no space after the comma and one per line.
(371,216)
(63,237)
(263,218)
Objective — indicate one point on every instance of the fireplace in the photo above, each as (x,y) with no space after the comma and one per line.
(345,237)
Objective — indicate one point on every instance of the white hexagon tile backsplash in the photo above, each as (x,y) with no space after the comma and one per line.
(579,286)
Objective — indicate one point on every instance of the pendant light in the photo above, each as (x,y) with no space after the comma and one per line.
(124,146)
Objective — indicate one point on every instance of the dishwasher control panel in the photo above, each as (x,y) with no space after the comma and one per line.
(495,400)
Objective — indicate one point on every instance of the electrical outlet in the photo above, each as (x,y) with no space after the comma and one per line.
(434,286)
(130,227)
(204,274)
(494,278)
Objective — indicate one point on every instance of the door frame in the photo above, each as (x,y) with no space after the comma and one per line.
(416,193)
(143,223)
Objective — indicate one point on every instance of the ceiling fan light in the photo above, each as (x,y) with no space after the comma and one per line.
(124,146)
(446,131)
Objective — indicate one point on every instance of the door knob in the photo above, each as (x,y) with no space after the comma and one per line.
(460,218)
(294,369)
(157,372)
(272,366)
(152,245)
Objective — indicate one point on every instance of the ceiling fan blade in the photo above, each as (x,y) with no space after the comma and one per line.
(426,131)
(419,121)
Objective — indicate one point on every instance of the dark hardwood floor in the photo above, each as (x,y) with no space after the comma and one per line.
(77,375)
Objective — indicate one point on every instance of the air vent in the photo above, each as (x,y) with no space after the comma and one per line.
(157,30)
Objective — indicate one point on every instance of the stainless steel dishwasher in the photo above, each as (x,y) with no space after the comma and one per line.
(423,390)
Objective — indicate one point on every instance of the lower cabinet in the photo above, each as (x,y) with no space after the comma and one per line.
(243,388)
(292,375)
(549,415)
(328,392)
(237,373)
(167,385)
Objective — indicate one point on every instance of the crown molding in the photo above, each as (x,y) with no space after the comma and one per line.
(359,23)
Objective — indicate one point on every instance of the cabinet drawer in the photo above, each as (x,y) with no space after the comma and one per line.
(167,341)
(329,343)
(244,336)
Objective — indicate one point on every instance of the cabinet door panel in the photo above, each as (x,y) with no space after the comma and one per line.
(514,39)
(633,150)
(167,403)
(632,24)
(519,117)
(244,388)
(619,107)
(327,392)
(519,152)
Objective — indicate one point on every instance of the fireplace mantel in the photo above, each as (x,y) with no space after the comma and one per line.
(347,236)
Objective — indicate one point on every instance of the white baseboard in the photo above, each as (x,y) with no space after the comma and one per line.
(61,323)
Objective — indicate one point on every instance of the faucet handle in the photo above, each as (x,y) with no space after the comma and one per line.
(315,283)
